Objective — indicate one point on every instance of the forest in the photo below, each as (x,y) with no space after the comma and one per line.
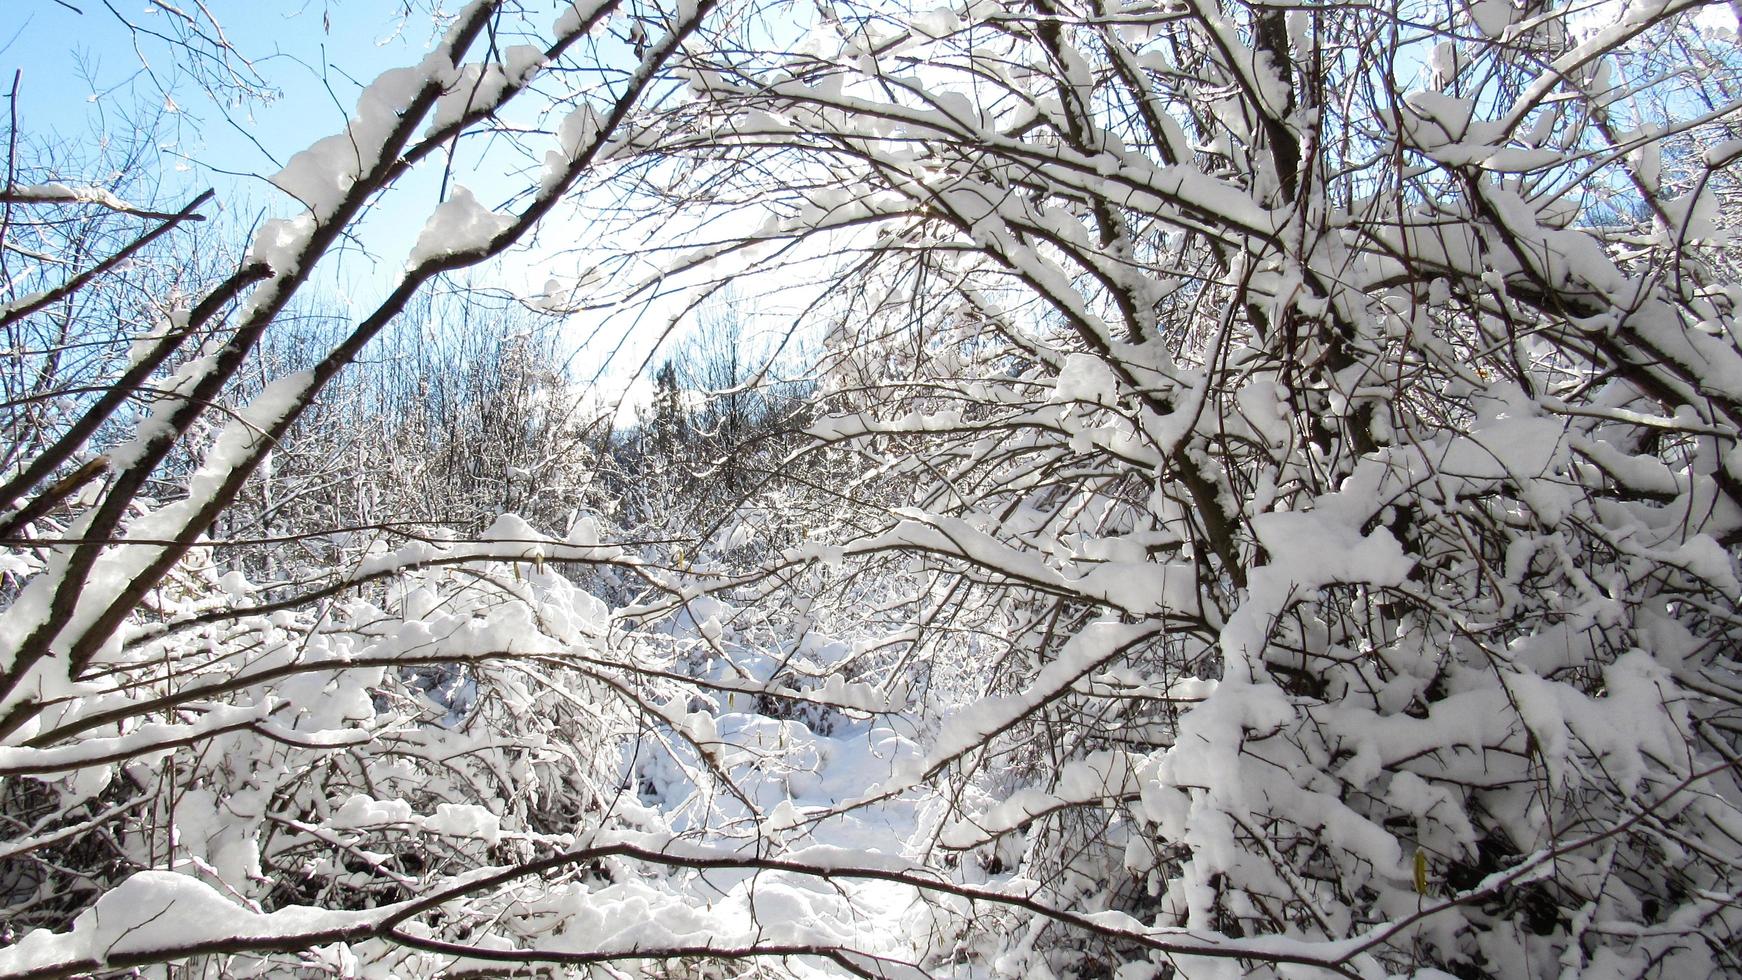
(893,489)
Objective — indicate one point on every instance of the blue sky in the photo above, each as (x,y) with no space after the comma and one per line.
(58,49)
(85,76)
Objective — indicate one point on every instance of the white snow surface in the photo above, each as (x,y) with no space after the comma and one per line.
(459,224)
(164,910)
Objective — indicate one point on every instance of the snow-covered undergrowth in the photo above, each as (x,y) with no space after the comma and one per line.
(459,718)
(462,758)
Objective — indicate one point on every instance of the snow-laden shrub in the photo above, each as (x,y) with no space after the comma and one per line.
(1323,481)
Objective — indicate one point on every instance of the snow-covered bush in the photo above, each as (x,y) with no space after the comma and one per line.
(1334,507)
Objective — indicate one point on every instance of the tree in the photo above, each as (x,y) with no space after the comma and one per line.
(714,434)
(1296,520)
(666,427)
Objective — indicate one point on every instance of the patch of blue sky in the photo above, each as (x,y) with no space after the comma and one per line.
(85,75)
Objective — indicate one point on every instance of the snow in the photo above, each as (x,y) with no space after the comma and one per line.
(1086,378)
(938,22)
(1311,550)
(363,810)
(1694,217)
(1086,651)
(1100,776)
(322,175)
(280,243)
(155,911)
(56,192)
(1492,17)
(459,225)
(1723,154)
(465,820)
(576,15)
(483,87)
(144,743)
